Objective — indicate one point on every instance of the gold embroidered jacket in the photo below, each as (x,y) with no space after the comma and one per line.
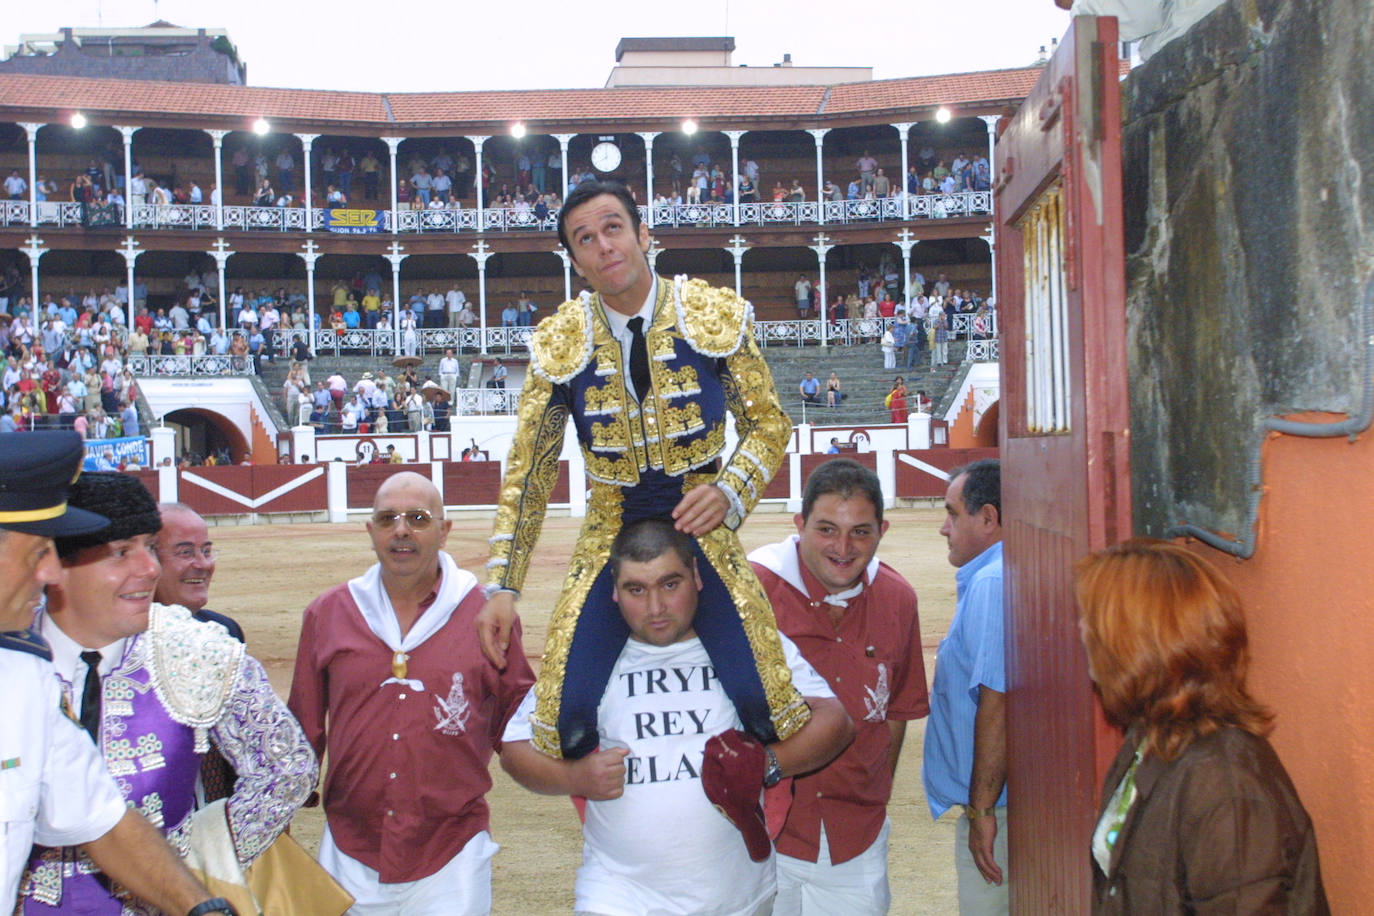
(703,363)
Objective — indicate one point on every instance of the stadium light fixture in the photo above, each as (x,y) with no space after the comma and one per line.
(78,120)
(517,130)
(261,126)
(942,115)
(689,126)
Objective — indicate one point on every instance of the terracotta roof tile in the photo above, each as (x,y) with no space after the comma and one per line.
(208,103)
(607,104)
(932,91)
(210,100)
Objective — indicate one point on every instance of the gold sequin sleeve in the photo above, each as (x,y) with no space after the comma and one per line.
(764,428)
(531,472)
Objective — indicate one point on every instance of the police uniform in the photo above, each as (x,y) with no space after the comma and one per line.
(54,787)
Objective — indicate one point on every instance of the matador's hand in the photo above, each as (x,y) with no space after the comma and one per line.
(701,511)
(494,623)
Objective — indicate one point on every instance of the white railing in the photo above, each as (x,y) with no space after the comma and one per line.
(190,365)
(520,219)
(794,333)
(983,351)
(486,401)
(61,213)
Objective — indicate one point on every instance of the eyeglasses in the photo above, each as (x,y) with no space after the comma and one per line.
(187,553)
(415,519)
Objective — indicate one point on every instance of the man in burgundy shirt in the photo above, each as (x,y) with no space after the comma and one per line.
(413,714)
(854,619)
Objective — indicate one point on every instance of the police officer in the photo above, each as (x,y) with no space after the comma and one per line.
(54,787)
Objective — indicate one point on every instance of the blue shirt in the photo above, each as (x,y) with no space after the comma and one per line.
(970,656)
(811,386)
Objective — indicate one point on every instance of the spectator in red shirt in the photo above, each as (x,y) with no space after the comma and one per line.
(854,619)
(389,678)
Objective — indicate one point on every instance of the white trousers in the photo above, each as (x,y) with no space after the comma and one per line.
(976,896)
(855,888)
(460,888)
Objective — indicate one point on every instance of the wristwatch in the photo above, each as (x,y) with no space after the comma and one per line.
(973,813)
(213,905)
(772,774)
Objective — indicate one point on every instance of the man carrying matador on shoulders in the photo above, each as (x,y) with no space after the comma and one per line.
(646,369)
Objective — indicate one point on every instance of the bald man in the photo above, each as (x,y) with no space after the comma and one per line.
(187,556)
(391,680)
(188,564)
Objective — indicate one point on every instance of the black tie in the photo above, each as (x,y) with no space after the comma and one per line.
(90,697)
(639,358)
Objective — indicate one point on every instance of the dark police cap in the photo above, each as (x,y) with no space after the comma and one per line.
(36,470)
(128,505)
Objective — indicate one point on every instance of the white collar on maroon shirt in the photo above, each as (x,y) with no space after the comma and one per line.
(372,599)
(781,559)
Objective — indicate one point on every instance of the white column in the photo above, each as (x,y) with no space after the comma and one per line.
(819,134)
(130,254)
(221,255)
(217,137)
(734,136)
(567,269)
(991,237)
(392,144)
(164,446)
(395,258)
(480,254)
(821,247)
(906,242)
(35,252)
(336,488)
(128,134)
(737,248)
(477,142)
(648,137)
(310,255)
(31,129)
(563,140)
(307,141)
(903,129)
(992,260)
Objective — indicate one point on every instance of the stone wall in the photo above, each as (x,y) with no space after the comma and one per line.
(1249,199)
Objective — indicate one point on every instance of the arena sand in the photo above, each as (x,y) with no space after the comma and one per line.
(268,573)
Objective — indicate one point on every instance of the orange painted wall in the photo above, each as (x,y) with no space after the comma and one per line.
(1309,597)
(961,431)
(263,449)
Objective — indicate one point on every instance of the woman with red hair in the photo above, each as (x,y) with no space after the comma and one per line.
(1198,814)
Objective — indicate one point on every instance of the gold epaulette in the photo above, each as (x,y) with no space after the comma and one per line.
(561,345)
(713,319)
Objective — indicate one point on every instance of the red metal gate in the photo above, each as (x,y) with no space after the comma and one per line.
(1065,445)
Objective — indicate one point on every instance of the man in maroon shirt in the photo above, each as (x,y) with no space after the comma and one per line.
(854,619)
(389,679)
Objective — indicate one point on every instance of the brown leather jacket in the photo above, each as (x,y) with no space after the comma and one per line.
(1218,830)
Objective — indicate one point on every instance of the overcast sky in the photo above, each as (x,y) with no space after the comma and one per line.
(424,45)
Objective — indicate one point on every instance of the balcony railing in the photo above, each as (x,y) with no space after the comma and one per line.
(190,365)
(500,341)
(509,219)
